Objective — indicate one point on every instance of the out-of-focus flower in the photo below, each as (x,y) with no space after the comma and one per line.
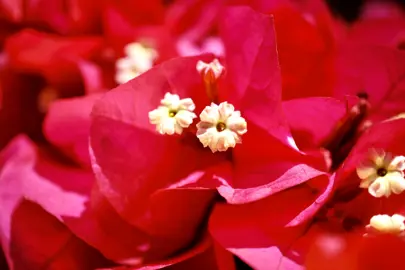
(380,23)
(171,203)
(38,69)
(63,17)
(195,26)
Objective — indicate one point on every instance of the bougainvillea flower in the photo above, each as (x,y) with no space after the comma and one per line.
(164,184)
(33,181)
(370,208)
(135,37)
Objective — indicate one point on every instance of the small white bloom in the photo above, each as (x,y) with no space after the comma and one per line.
(382,174)
(173,115)
(210,71)
(387,224)
(220,127)
(139,58)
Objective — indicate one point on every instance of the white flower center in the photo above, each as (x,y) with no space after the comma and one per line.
(387,224)
(173,115)
(139,58)
(382,174)
(220,127)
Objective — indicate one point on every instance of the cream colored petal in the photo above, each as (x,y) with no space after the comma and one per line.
(364,172)
(397,182)
(379,188)
(397,164)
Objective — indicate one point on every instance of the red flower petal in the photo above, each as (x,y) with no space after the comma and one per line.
(30,236)
(67,125)
(64,17)
(313,119)
(126,152)
(51,56)
(377,71)
(193,19)
(261,233)
(313,76)
(253,72)
(65,193)
(11,10)
(203,255)
(386,18)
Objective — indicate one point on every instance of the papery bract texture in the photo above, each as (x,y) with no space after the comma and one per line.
(32,237)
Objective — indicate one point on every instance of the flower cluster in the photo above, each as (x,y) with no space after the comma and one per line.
(265,134)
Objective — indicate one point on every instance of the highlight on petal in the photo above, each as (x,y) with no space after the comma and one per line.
(387,224)
(173,115)
(138,58)
(221,127)
(382,174)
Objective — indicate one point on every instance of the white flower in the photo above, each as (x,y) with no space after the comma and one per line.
(210,71)
(387,224)
(382,174)
(220,127)
(139,58)
(173,115)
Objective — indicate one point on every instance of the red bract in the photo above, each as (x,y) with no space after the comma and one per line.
(67,125)
(265,233)
(37,69)
(202,256)
(386,19)
(279,237)
(63,17)
(310,25)
(375,71)
(31,236)
(164,185)
(76,218)
(137,21)
(51,56)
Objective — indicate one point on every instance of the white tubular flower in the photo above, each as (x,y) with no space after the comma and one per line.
(139,58)
(382,174)
(210,71)
(387,224)
(220,127)
(173,115)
